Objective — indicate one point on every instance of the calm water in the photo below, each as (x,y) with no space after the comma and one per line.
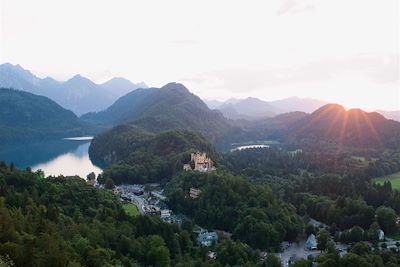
(249,146)
(66,157)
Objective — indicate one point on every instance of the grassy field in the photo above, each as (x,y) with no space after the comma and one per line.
(130,209)
(393,178)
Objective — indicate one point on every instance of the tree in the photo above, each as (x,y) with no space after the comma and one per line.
(356,234)
(361,248)
(373,232)
(386,218)
(109,184)
(301,263)
(272,261)
(322,239)
(310,229)
(158,253)
(101,179)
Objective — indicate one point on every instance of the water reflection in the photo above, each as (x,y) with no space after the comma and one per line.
(249,146)
(71,163)
(53,157)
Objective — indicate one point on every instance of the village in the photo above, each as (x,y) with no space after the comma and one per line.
(149,200)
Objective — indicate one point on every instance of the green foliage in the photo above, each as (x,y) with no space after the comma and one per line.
(322,240)
(229,203)
(65,222)
(386,218)
(25,116)
(141,157)
(171,107)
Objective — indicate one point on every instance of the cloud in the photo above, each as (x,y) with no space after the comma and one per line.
(369,67)
(295,6)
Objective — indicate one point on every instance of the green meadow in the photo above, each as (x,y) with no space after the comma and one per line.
(130,209)
(394,179)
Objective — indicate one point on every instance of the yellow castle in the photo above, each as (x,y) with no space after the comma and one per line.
(201,163)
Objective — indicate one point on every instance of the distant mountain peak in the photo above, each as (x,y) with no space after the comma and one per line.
(80,80)
(330,107)
(174,86)
(78,77)
(79,93)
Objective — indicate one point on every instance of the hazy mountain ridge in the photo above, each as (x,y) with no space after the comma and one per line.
(25,116)
(78,94)
(333,127)
(254,109)
(392,115)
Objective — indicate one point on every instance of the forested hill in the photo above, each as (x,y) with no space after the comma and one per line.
(61,221)
(333,127)
(160,109)
(27,116)
(139,156)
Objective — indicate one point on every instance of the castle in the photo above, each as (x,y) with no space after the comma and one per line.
(201,163)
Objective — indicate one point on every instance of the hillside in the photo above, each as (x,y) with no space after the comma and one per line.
(137,156)
(160,109)
(333,127)
(25,116)
(78,94)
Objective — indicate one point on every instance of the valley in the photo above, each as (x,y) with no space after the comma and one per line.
(256,200)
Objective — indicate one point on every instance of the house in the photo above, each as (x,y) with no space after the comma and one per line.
(187,167)
(207,239)
(211,255)
(165,214)
(381,235)
(151,210)
(194,192)
(263,255)
(137,191)
(201,163)
(311,243)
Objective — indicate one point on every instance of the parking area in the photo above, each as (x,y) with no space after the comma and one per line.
(294,251)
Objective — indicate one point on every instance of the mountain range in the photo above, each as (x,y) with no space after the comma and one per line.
(392,115)
(334,127)
(253,108)
(174,107)
(78,94)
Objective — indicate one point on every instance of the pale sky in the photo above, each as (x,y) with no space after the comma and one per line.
(344,51)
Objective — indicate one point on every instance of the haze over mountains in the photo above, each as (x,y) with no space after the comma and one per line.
(331,126)
(25,116)
(82,95)
(253,108)
(78,94)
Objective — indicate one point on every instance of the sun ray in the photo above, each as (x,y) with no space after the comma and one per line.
(373,130)
(343,130)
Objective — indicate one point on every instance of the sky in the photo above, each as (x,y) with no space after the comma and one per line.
(343,51)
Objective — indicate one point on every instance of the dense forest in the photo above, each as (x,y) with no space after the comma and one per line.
(57,221)
(261,196)
(26,117)
(170,107)
(229,203)
(143,157)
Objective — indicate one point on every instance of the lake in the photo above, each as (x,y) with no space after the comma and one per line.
(67,157)
(248,147)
